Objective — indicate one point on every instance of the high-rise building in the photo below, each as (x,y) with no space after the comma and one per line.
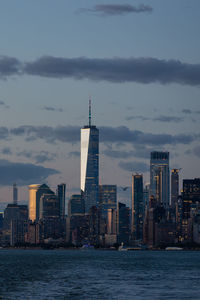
(159,177)
(61,189)
(191,196)
(35,192)
(49,206)
(174,187)
(123,223)
(15,193)
(107,198)
(137,207)
(76,205)
(90,164)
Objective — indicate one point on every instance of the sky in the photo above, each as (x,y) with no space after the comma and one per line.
(139,63)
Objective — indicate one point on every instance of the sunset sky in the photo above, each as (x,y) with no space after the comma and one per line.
(137,60)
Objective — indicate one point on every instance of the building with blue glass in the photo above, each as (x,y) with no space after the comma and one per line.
(90,164)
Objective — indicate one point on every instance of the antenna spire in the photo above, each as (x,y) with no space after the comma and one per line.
(89,112)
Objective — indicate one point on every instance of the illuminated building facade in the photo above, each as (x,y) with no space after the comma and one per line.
(159,177)
(35,192)
(174,187)
(90,164)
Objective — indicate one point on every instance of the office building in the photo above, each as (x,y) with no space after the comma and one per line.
(137,213)
(90,164)
(159,177)
(15,193)
(123,223)
(107,198)
(174,187)
(35,192)
(61,190)
(191,197)
(76,205)
(49,206)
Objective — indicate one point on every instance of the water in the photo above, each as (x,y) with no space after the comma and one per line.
(75,274)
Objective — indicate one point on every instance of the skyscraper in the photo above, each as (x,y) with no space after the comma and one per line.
(137,207)
(61,189)
(35,192)
(15,193)
(107,198)
(90,164)
(174,187)
(159,177)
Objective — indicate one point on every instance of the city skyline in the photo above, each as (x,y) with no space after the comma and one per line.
(144,84)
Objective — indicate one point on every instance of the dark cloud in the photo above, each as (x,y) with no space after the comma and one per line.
(118,154)
(2,103)
(125,135)
(38,157)
(186,111)
(66,134)
(161,118)
(168,119)
(117,9)
(122,134)
(6,151)
(116,70)
(196,151)
(134,166)
(23,173)
(9,66)
(142,70)
(50,108)
(140,151)
(142,118)
(4,133)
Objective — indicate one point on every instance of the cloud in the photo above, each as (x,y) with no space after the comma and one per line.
(4,133)
(117,9)
(118,154)
(142,118)
(134,166)
(186,111)
(66,134)
(196,151)
(9,66)
(168,119)
(161,118)
(38,157)
(23,173)
(2,103)
(116,70)
(122,134)
(50,108)
(6,151)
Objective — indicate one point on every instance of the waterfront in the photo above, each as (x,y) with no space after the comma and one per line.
(71,274)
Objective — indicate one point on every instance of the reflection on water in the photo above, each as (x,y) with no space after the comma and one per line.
(74,274)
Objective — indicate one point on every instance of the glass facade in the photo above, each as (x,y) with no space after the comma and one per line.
(107,198)
(137,207)
(61,190)
(90,166)
(159,177)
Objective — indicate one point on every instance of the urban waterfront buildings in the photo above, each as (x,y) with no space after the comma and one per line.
(137,210)
(61,190)
(174,187)
(90,164)
(159,177)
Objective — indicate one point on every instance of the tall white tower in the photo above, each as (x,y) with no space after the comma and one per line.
(90,164)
